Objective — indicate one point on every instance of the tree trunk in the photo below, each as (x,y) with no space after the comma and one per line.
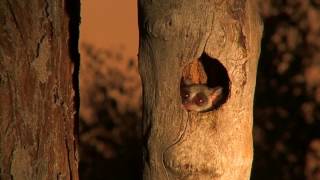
(39,99)
(215,42)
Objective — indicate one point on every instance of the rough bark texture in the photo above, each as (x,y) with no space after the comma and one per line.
(39,64)
(190,145)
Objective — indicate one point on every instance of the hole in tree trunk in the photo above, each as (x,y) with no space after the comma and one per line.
(204,85)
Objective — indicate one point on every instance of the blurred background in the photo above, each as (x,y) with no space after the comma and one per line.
(287,97)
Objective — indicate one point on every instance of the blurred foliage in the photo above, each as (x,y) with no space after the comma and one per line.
(286,110)
(110,93)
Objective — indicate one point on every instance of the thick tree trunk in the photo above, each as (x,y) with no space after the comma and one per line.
(39,64)
(188,39)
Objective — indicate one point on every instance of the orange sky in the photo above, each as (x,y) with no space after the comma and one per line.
(110,24)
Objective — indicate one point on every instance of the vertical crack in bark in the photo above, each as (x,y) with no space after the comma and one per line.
(48,17)
(15,20)
(65,136)
(39,44)
(46,20)
(43,49)
(38,145)
(46,9)
(68,157)
(8,123)
(176,141)
(12,94)
(10,160)
(210,33)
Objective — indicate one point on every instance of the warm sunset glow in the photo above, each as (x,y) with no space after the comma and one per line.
(110,24)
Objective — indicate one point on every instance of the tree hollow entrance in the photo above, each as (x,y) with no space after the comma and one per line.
(209,72)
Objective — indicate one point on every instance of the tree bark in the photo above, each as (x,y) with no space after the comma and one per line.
(39,99)
(174,37)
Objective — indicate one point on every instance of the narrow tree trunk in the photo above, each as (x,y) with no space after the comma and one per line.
(188,39)
(39,64)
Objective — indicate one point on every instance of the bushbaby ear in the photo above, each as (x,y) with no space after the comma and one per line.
(187,82)
(216,93)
